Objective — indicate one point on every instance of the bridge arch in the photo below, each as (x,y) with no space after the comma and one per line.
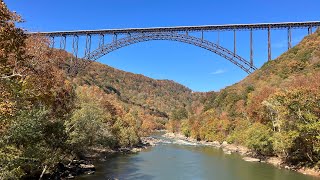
(142,37)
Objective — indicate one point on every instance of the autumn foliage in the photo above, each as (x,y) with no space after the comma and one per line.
(274,111)
(49,114)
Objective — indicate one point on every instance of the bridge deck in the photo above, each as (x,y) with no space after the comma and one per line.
(227,27)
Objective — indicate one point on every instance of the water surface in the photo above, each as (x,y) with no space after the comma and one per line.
(182,160)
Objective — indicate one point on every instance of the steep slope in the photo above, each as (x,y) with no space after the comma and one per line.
(161,96)
(274,111)
(298,67)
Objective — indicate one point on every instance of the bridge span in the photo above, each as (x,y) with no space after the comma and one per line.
(130,36)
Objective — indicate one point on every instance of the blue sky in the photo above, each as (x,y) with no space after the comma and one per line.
(191,66)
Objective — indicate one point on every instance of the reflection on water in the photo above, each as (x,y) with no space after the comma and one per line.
(180,161)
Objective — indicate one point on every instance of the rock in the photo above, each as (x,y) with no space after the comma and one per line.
(149,141)
(124,150)
(70,176)
(231,147)
(89,172)
(309,171)
(169,135)
(224,143)
(274,161)
(243,150)
(227,152)
(250,159)
(216,143)
(135,150)
(82,161)
(87,167)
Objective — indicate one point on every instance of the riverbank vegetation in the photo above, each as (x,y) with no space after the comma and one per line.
(275,111)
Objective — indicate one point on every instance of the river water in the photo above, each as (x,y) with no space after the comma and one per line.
(173,159)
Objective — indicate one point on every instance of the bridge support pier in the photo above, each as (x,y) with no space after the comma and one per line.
(115,38)
(75,46)
(289,38)
(269,44)
(101,40)
(202,36)
(74,61)
(87,49)
(52,42)
(309,30)
(234,42)
(63,40)
(251,47)
(218,39)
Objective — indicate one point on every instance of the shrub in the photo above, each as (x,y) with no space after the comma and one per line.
(33,141)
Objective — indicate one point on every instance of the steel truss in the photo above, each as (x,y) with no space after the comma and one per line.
(200,42)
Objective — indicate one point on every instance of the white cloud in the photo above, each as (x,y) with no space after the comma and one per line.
(219,71)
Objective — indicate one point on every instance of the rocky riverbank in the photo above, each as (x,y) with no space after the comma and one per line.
(245,152)
(85,165)
(227,148)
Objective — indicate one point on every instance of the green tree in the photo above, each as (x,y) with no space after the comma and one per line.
(259,139)
(126,135)
(295,118)
(87,127)
(90,124)
(33,142)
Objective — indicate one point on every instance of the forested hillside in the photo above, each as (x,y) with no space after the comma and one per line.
(274,111)
(159,95)
(52,113)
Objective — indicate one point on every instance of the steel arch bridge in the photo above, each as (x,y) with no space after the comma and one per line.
(213,47)
(180,34)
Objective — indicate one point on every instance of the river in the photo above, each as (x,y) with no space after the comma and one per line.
(173,159)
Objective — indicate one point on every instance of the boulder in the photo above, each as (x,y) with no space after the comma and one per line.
(86,168)
(224,143)
(250,159)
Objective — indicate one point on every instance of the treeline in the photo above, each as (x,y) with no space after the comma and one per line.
(274,111)
(51,113)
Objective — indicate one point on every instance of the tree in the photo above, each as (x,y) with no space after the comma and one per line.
(35,99)
(179,114)
(32,142)
(126,135)
(259,139)
(295,117)
(12,43)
